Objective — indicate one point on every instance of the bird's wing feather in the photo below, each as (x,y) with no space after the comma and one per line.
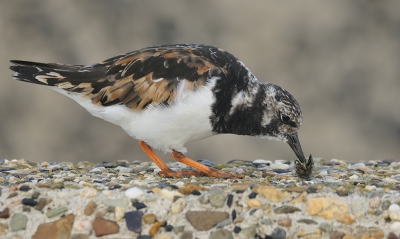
(156,75)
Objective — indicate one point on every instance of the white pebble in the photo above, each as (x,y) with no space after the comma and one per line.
(395,227)
(323,173)
(370,187)
(178,206)
(88,192)
(358,165)
(354,176)
(134,193)
(119,213)
(394,208)
(83,225)
(279,166)
(169,194)
(262,161)
(280,161)
(95,170)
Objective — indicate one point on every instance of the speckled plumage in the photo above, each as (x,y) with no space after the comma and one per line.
(169,95)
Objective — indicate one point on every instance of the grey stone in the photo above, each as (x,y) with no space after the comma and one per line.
(18,222)
(221,234)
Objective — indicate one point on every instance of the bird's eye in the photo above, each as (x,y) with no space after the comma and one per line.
(285,118)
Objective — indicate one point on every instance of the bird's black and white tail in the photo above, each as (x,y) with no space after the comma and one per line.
(53,74)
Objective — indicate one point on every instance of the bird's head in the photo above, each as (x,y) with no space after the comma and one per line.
(282,118)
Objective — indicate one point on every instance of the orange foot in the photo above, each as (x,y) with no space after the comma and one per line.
(204,170)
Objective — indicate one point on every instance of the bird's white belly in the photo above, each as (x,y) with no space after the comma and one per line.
(162,127)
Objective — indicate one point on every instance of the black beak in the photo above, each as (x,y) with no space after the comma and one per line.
(303,166)
(293,141)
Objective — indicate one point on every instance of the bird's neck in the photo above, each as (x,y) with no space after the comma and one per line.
(239,107)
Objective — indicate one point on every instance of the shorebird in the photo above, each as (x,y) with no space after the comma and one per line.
(168,95)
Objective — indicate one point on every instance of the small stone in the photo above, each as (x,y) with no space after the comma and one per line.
(79,236)
(258,162)
(299,199)
(60,229)
(83,225)
(170,194)
(391,235)
(354,177)
(394,212)
(285,222)
(254,203)
(271,193)
(56,212)
(163,236)
(41,203)
(143,237)
(374,202)
(279,166)
(134,193)
(139,205)
(307,221)
(35,195)
(326,207)
(286,209)
(325,227)
(188,189)
(313,233)
(178,206)
(29,202)
(341,191)
(345,218)
(224,223)
(104,227)
(187,235)
(218,198)
(370,187)
(119,213)
(221,234)
(177,229)
(24,188)
(90,207)
(230,200)
(116,202)
(205,220)
(395,226)
(18,222)
(237,229)
(155,228)
(149,218)
(134,221)
(278,233)
(248,232)
(5,213)
(336,235)
(88,192)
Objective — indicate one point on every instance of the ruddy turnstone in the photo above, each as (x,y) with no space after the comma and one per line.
(168,95)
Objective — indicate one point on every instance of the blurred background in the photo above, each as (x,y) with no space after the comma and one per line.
(340,59)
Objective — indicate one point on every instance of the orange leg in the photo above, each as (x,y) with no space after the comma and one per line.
(178,156)
(183,159)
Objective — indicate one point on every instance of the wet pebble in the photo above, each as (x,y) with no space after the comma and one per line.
(205,220)
(221,234)
(18,222)
(134,193)
(178,206)
(60,228)
(218,197)
(286,209)
(29,202)
(134,221)
(104,227)
(278,233)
